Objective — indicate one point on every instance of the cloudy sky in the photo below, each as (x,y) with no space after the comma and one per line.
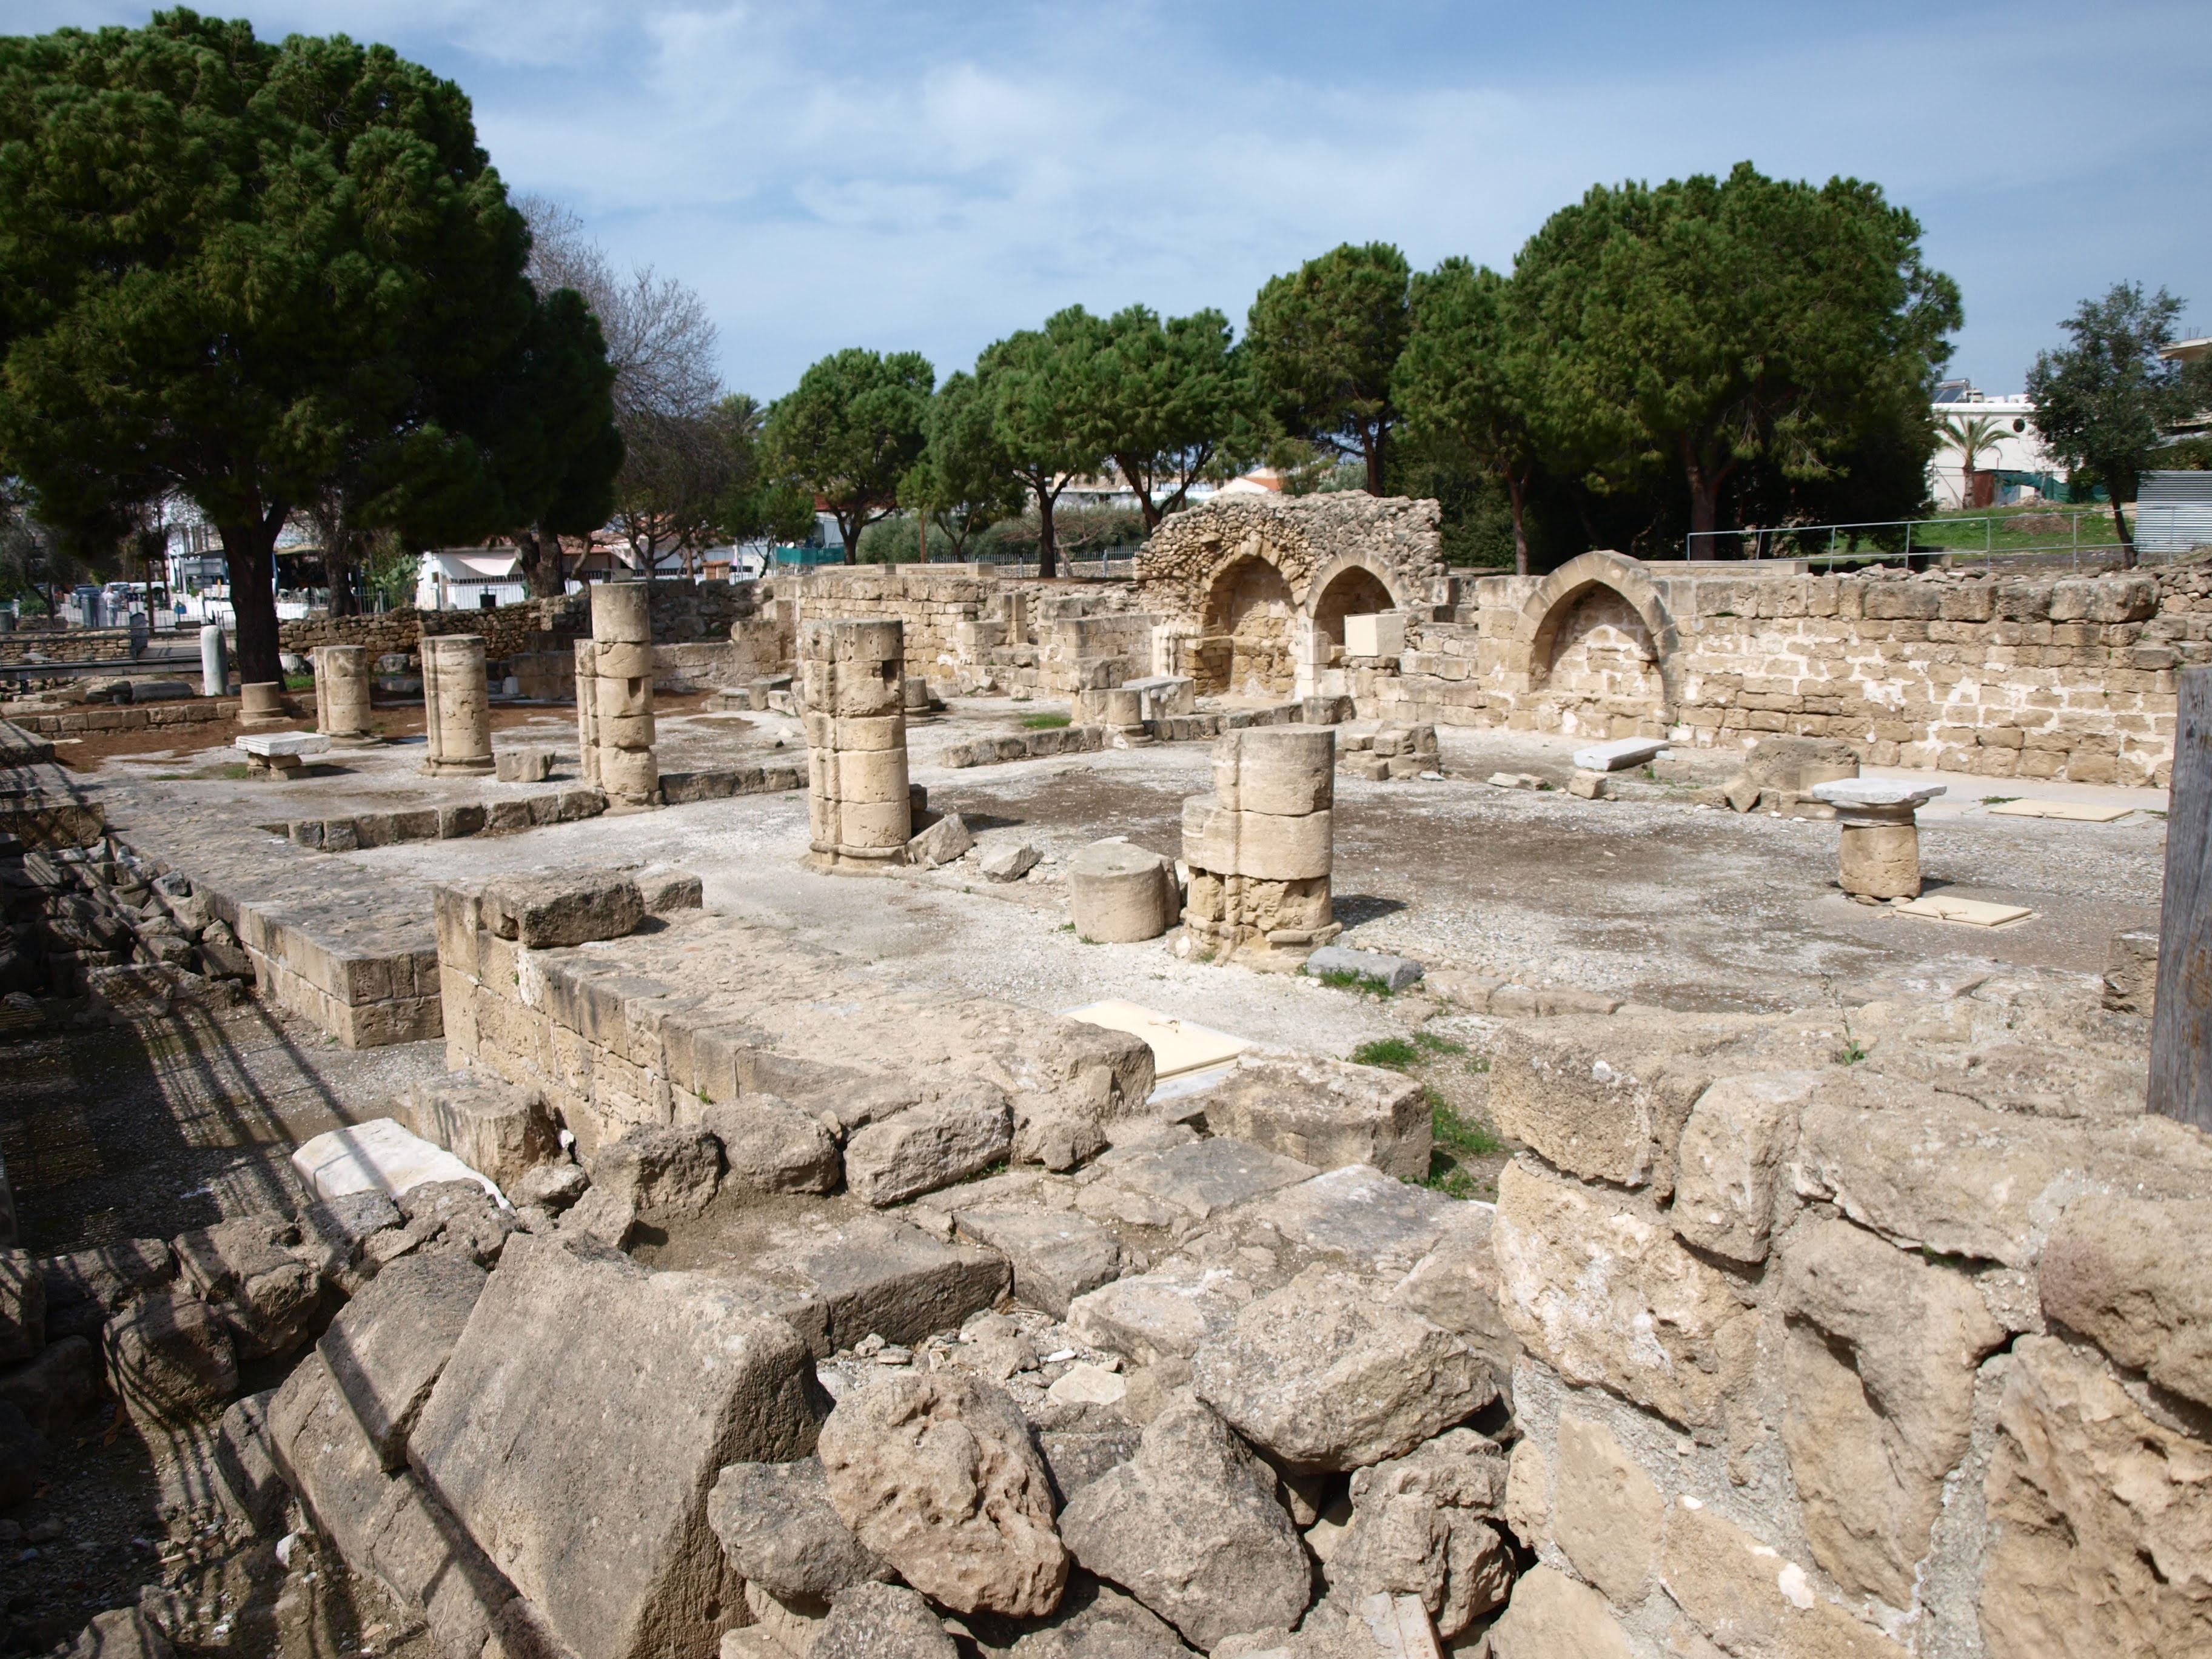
(933,175)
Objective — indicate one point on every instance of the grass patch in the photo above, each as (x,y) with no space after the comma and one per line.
(1064,927)
(237,772)
(1458,1134)
(1430,1043)
(1343,979)
(1393,1053)
(1046,722)
(1998,800)
(1447,1178)
(299,682)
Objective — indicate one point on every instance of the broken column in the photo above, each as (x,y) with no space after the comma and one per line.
(456,704)
(853,677)
(342,691)
(1880,856)
(1260,847)
(1120,893)
(614,696)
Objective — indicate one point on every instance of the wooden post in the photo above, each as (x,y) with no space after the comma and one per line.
(2181,1023)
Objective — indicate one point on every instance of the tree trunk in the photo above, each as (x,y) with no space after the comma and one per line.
(1372,443)
(539,557)
(1704,504)
(1048,541)
(249,551)
(1144,504)
(2127,541)
(1514,489)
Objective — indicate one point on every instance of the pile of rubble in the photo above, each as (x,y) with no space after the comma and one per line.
(78,914)
(1390,751)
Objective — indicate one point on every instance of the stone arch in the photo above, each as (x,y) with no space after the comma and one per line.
(1347,586)
(1247,628)
(1550,608)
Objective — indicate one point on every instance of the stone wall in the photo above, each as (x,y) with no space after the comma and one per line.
(682,612)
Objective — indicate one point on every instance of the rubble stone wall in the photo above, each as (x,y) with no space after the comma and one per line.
(682,612)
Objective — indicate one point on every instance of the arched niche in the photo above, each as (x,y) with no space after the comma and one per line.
(1562,610)
(1246,630)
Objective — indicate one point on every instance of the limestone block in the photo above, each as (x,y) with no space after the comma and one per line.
(626,660)
(266,1294)
(879,826)
(945,841)
(242,1456)
(615,699)
(2128,1273)
(1283,848)
(770,1145)
(2131,971)
(1056,1256)
(1601,1097)
(780,1532)
(385,1348)
(1321,1376)
(1196,1179)
(672,1170)
(22,1307)
(1731,1163)
(1552,1617)
(1955,1178)
(871,775)
(1796,764)
(2102,1519)
(589,1399)
(1597,1286)
(522,765)
(929,1147)
(1285,771)
(169,1357)
(622,611)
(1391,972)
(1325,1112)
(546,911)
(342,705)
(121,1634)
(936,1474)
(1167,1314)
(1007,860)
(326,1459)
(1606,1513)
(872,733)
(1878,1374)
(626,731)
(1424,1525)
(872,1275)
(1880,857)
(1589,786)
(1749,1599)
(627,775)
(1456,1287)
(497,1128)
(1120,893)
(1191,1527)
(882,1621)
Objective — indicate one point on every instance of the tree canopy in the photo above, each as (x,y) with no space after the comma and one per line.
(964,482)
(1173,402)
(1325,341)
(2104,402)
(1703,325)
(249,273)
(850,432)
(1037,383)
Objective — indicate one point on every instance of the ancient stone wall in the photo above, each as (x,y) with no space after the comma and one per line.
(682,612)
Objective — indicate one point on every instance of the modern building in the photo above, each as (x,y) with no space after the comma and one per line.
(2009,463)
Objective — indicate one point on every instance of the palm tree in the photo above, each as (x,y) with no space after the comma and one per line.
(1971,435)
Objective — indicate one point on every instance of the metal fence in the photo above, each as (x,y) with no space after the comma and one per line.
(1989,541)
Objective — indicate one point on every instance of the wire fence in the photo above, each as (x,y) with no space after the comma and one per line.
(2052,539)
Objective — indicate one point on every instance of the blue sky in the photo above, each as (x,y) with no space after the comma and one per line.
(932,176)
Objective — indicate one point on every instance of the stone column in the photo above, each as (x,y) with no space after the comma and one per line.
(342,691)
(1879,853)
(456,704)
(215,662)
(853,682)
(614,696)
(262,703)
(1260,848)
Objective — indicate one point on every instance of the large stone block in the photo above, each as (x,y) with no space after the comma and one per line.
(929,1147)
(1324,1112)
(770,1145)
(873,1275)
(385,1347)
(1166,1313)
(780,1532)
(662,1171)
(498,1129)
(1606,1513)
(579,1424)
(1878,1377)
(545,912)
(1730,1165)
(1602,1098)
(2131,1276)
(1456,1287)
(1120,894)
(1749,1599)
(1056,1256)
(1598,1287)
(2103,1519)
(1552,1617)
(169,1355)
(1425,1525)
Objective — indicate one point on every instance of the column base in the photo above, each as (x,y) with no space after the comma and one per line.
(456,769)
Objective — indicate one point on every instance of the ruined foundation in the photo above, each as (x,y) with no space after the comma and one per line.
(859,814)
(342,691)
(614,697)
(456,705)
(1259,848)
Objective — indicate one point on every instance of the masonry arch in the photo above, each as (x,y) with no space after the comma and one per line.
(1348,587)
(1246,630)
(1601,618)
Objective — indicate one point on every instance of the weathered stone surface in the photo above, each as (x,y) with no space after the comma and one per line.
(326,1459)
(1391,972)
(663,1171)
(551,1187)
(2103,1520)
(1323,1375)
(1374,1223)
(1192,1530)
(1326,1113)
(1958,1179)
(1423,1525)
(590,1400)
(121,1634)
(242,1455)
(882,1621)
(169,1355)
(1106,1625)
(498,1129)
(1527,1494)
(1198,1178)
(1007,860)
(84,1287)
(943,843)
(268,1294)
(1166,1313)
(1552,1617)
(770,1145)
(929,1147)
(428,1561)
(1456,1287)
(1602,1291)
(1729,1165)
(1750,1600)
(2131,1275)
(779,1531)
(52,1390)
(607,1217)
(456,1218)
(1056,1256)
(1076,1458)
(545,912)
(385,1347)
(1878,1377)
(1601,1097)
(874,1275)
(1119,894)
(936,1474)
(1606,1513)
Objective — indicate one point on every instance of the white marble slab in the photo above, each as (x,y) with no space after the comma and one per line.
(1620,753)
(269,744)
(1876,792)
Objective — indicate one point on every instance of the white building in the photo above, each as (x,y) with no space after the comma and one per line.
(469,579)
(2011,454)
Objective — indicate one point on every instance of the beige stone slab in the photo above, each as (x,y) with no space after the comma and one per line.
(1974,913)
(2068,812)
(1177,1046)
